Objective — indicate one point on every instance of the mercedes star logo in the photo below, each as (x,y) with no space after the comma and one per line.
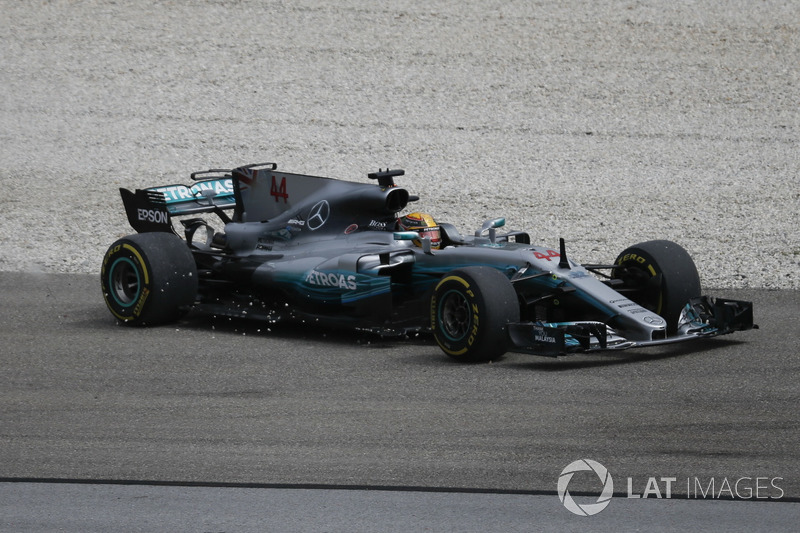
(318,215)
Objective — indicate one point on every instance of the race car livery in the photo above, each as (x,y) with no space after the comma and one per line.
(340,253)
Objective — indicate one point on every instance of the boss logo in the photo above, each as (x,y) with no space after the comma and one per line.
(153,215)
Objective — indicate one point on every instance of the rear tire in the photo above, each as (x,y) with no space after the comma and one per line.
(148,278)
(470,312)
(661,277)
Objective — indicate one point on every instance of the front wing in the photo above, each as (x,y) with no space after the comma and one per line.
(702,317)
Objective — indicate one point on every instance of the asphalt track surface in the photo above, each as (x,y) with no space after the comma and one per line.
(356,432)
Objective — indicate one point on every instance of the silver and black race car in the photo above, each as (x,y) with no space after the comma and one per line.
(338,253)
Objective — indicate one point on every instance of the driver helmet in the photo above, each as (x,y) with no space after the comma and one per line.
(424,225)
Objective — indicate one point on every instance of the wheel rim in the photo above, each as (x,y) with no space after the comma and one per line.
(124,282)
(454,315)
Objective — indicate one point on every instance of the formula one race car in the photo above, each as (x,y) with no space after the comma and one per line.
(338,253)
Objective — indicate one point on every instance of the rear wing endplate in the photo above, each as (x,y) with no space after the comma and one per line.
(146,210)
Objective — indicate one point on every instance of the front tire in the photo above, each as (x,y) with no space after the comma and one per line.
(659,276)
(470,312)
(148,278)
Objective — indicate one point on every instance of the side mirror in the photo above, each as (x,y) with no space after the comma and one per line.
(425,242)
(405,235)
(491,225)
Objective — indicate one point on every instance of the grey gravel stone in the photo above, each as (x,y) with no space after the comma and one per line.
(606,123)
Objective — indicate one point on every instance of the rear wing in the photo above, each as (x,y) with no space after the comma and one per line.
(151,209)
(201,197)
